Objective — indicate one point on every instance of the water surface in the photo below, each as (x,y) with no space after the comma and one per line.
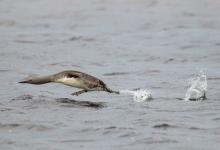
(153,44)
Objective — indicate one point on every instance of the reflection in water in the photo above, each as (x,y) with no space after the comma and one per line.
(66,102)
(163,126)
(75,103)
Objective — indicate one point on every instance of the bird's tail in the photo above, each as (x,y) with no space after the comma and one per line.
(38,80)
(111,91)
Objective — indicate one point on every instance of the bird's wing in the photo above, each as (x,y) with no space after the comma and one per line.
(89,80)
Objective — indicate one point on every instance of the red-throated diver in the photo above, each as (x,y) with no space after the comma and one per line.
(75,79)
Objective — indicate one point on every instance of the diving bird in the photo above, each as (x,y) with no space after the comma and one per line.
(75,79)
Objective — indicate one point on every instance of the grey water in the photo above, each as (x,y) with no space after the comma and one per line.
(129,44)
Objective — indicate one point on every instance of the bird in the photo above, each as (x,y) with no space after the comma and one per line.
(77,79)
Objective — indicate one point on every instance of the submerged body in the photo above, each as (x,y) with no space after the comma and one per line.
(75,79)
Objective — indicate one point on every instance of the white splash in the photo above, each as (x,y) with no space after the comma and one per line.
(197,87)
(139,95)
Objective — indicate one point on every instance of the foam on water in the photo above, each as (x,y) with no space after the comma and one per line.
(197,87)
(140,95)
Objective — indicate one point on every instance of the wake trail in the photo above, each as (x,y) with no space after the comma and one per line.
(197,87)
(140,95)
